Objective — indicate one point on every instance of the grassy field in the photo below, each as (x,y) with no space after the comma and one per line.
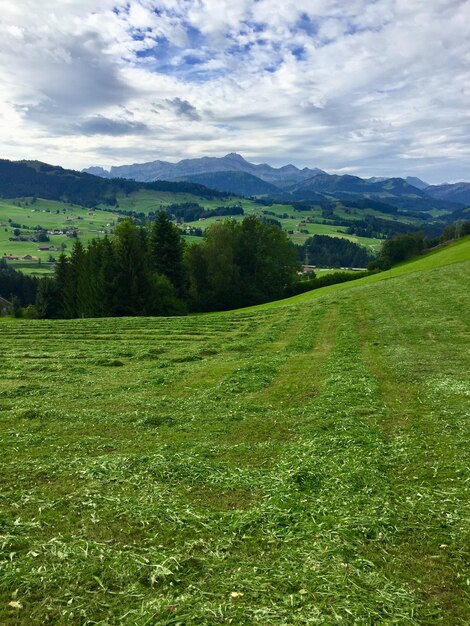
(50,215)
(298,464)
(146,201)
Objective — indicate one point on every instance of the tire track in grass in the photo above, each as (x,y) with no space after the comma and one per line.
(299,379)
(217,371)
(325,508)
(428,471)
(306,333)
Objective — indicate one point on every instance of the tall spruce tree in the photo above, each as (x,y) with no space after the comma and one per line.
(132,271)
(166,252)
(106,279)
(62,276)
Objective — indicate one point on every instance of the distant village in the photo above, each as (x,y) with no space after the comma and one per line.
(43,236)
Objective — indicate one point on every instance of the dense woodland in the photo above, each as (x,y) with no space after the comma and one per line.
(325,251)
(149,271)
(192,211)
(17,286)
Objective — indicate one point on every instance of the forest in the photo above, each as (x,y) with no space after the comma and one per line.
(149,271)
(325,251)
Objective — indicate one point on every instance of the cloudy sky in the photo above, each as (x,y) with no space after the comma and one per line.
(359,86)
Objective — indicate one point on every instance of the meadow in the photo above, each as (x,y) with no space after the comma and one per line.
(298,463)
(50,214)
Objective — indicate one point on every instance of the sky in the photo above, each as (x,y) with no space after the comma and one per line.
(371,88)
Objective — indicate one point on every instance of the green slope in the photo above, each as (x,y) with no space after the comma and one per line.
(455,252)
(303,464)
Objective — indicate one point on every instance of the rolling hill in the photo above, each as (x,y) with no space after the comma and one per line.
(393,191)
(238,183)
(33,178)
(302,463)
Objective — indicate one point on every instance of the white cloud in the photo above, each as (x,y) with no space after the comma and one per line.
(372,87)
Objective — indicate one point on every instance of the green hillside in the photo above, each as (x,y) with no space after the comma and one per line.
(455,252)
(302,464)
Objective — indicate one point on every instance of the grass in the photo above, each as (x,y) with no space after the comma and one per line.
(50,215)
(59,215)
(455,252)
(303,464)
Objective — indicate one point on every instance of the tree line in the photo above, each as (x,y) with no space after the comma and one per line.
(408,245)
(15,285)
(150,271)
(325,251)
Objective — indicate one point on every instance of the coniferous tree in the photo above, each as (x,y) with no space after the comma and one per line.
(166,252)
(196,267)
(62,276)
(132,276)
(74,293)
(106,279)
(48,300)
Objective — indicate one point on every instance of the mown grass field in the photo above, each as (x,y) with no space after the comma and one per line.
(299,464)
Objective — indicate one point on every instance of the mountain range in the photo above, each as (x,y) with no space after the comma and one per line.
(51,182)
(234,174)
(33,178)
(282,177)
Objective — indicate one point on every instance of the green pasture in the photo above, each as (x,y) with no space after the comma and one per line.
(294,225)
(301,464)
(456,252)
(146,201)
(33,268)
(49,215)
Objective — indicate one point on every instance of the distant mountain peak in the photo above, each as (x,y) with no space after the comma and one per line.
(97,171)
(234,156)
(416,182)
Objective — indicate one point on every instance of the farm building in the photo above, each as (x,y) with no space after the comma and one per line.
(6,307)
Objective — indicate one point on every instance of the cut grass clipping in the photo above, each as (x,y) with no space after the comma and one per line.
(302,464)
